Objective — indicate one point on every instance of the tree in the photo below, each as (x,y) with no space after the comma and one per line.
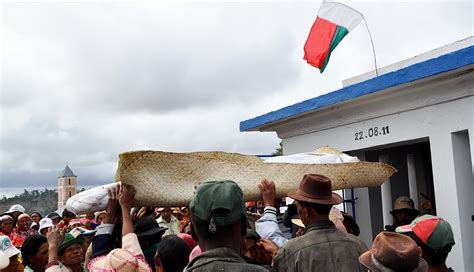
(278,150)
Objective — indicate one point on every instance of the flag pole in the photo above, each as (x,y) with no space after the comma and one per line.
(373,47)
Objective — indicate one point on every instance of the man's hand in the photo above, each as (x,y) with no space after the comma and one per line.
(267,188)
(267,246)
(113,208)
(55,237)
(126,196)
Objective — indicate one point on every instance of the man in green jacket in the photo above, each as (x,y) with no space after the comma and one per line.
(218,217)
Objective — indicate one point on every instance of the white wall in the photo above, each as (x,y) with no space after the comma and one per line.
(433,109)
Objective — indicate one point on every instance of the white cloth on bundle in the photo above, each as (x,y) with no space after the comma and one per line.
(312,157)
(91,200)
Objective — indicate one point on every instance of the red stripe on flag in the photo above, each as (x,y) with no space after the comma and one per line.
(319,41)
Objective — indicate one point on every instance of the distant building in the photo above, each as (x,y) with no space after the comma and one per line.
(67,186)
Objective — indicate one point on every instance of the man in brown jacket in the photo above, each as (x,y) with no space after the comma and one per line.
(322,247)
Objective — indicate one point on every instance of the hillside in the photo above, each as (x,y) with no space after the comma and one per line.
(44,201)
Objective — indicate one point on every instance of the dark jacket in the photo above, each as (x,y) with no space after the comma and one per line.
(222,259)
(321,248)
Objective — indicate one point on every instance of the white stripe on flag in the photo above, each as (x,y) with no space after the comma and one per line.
(340,14)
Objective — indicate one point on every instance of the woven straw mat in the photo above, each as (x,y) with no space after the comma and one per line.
(170,179)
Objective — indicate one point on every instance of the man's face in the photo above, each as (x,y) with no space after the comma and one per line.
(166,214)
(24,223)
(249,249)
(260,207)
(302,212)
(56,220)
(402,217)
(72,255)
(7,225)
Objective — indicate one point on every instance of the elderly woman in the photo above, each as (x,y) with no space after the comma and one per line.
(6,222)
(23,227)
(35,253)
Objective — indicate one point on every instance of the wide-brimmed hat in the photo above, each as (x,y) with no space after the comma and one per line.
(119,259)
(404,203)
(393,252)
(69,240)
(45,223)
(317,189)
(15,208)
(147,226)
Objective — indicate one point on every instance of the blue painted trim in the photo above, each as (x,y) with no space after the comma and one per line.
(428,68)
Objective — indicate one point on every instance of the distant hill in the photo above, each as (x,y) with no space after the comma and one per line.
(44,201)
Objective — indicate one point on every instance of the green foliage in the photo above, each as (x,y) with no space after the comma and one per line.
(44,201)
(279,150)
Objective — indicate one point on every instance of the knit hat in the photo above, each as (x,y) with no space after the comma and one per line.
(433,231)
(219,203)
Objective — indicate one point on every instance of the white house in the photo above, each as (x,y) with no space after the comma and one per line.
(417,115)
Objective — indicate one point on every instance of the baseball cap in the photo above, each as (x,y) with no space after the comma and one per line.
(7,247)
(219,203)
(433,231)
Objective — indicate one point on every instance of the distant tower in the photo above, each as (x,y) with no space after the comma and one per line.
(67,186)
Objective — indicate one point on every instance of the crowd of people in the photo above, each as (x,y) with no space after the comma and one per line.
(219,231)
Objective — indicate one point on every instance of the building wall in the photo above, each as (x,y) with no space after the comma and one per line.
(438,110)
(67,187)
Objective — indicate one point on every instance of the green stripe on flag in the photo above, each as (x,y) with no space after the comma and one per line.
(340,33)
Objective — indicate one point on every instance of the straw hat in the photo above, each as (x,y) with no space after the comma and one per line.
(393,252)
(178,174)
(119,260)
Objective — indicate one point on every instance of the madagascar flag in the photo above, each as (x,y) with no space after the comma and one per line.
(334,21)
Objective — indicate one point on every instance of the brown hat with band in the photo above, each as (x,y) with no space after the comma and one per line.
(393,252)
(317,189)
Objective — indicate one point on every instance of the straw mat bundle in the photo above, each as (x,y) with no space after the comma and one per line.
(170,179)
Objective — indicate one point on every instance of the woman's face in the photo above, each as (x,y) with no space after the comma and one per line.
(100,218)
(24,223)
(7,226)
(35,217)
(40,259)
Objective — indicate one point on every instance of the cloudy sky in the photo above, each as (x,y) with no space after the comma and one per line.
(83,82)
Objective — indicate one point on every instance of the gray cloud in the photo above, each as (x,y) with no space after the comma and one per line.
(82,82)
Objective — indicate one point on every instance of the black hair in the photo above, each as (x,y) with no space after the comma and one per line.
(433,257)
(320,208)
(67,213)
(38,213)
(174,253)
(31,246)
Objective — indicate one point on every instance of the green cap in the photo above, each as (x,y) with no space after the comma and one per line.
(219,203)
(69,240)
